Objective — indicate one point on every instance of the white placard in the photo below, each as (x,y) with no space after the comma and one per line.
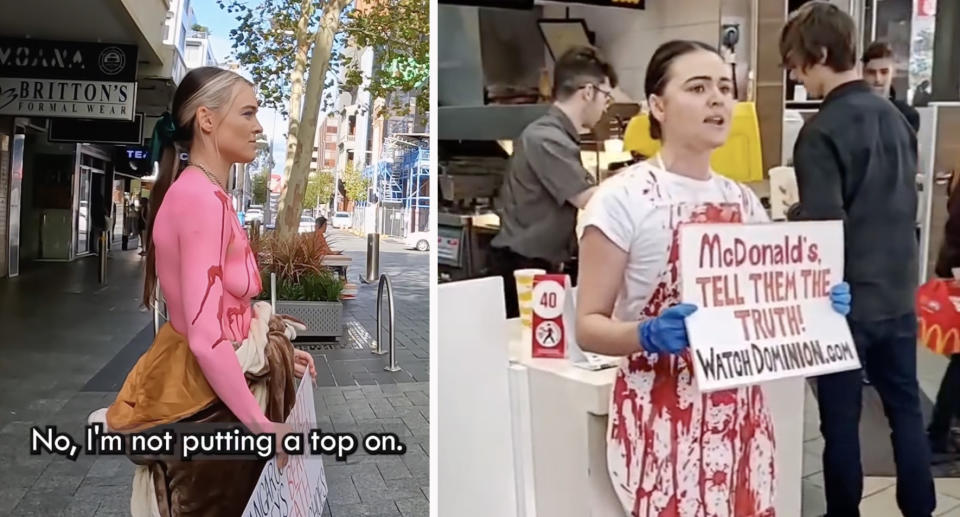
(67,99)
(300,490)
(763,296)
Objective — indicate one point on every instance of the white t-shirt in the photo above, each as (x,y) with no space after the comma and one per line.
(668,443)
(639,210)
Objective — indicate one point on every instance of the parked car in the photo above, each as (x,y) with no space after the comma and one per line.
(253,214)
(419,240)
(308,224)
(341,220)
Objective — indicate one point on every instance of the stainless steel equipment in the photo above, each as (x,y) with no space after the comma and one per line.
(463,247)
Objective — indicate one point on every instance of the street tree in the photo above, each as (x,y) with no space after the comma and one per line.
(319,189)
(259,184)
(354,184)
(288,47)
(399,30)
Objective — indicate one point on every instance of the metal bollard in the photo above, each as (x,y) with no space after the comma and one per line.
(102,273)
(385,283)
(273,292)
(373,258)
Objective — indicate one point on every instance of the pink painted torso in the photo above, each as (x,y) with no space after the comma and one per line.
(208,275)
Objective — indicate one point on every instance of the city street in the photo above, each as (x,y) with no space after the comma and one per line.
(70,342)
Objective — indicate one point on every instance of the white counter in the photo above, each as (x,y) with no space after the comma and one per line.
(527,437)
(568,409)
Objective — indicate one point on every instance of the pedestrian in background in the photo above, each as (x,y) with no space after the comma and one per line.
(856,161)
(878,69)
(947,405)
(142,217)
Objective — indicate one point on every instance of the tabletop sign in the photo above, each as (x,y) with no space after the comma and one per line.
(549,297)
(762,292)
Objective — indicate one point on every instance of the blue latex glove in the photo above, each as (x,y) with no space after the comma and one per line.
(667,333)
(840,298)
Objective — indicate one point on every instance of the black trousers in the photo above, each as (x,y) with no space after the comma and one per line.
(504,262)
(889,350)
(948,402)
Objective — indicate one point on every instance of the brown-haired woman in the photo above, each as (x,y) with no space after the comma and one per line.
(672,450)
(218,360)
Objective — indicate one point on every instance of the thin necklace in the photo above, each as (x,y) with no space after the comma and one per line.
(209,175)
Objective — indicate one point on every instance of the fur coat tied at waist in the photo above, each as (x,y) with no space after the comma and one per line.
(167,386)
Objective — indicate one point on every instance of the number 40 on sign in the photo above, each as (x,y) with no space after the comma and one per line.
(549,300)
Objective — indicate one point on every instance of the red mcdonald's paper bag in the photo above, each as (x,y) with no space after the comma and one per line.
(938,312)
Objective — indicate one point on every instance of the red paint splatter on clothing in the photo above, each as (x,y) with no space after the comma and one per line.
(666,416)
(623,395)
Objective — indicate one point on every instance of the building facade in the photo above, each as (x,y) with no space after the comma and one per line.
(89,80)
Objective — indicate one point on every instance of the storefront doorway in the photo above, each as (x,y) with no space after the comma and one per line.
(91,207)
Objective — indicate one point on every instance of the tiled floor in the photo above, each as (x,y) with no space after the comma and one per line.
(60,330)
(879,493)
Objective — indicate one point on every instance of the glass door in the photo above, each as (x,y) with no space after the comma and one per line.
(83,214)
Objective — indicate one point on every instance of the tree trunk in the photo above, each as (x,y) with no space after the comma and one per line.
(291,201)
(303,37)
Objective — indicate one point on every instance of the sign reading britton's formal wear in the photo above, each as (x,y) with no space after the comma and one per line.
(67,79)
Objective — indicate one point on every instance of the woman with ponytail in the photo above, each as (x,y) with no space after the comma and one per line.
(673,450)
(218,360)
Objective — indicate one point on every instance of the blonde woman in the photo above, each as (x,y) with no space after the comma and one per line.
(199,252)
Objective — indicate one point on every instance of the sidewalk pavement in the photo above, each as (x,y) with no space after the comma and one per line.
(68,343)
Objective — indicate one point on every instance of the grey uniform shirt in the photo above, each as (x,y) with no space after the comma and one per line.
(536,220)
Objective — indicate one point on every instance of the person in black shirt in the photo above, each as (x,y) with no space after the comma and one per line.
(856,161)
(878,72)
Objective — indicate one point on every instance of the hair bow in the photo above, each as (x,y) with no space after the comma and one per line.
(163,135)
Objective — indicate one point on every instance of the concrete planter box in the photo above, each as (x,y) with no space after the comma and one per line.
(323,319)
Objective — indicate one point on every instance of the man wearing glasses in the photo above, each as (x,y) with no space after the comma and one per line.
(546,182)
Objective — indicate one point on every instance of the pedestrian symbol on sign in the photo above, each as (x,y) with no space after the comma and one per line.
(548,334)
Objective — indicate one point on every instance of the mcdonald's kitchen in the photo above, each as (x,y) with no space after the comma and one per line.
(529,429)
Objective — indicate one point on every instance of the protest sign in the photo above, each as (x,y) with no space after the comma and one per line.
(300,489)
(763,296)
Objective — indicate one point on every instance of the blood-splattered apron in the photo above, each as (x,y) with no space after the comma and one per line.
(673,451)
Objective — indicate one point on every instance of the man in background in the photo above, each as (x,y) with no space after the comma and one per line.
(878,68)
(546,182)
(856,161)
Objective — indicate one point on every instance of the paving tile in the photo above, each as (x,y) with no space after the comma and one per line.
(10,496)
(415,507)
(401,401)
(812,500)
(47,501)
(391,470)
(884,504)
(372,481)
(364,510)
(362,414)
(354,392)
(341,492)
